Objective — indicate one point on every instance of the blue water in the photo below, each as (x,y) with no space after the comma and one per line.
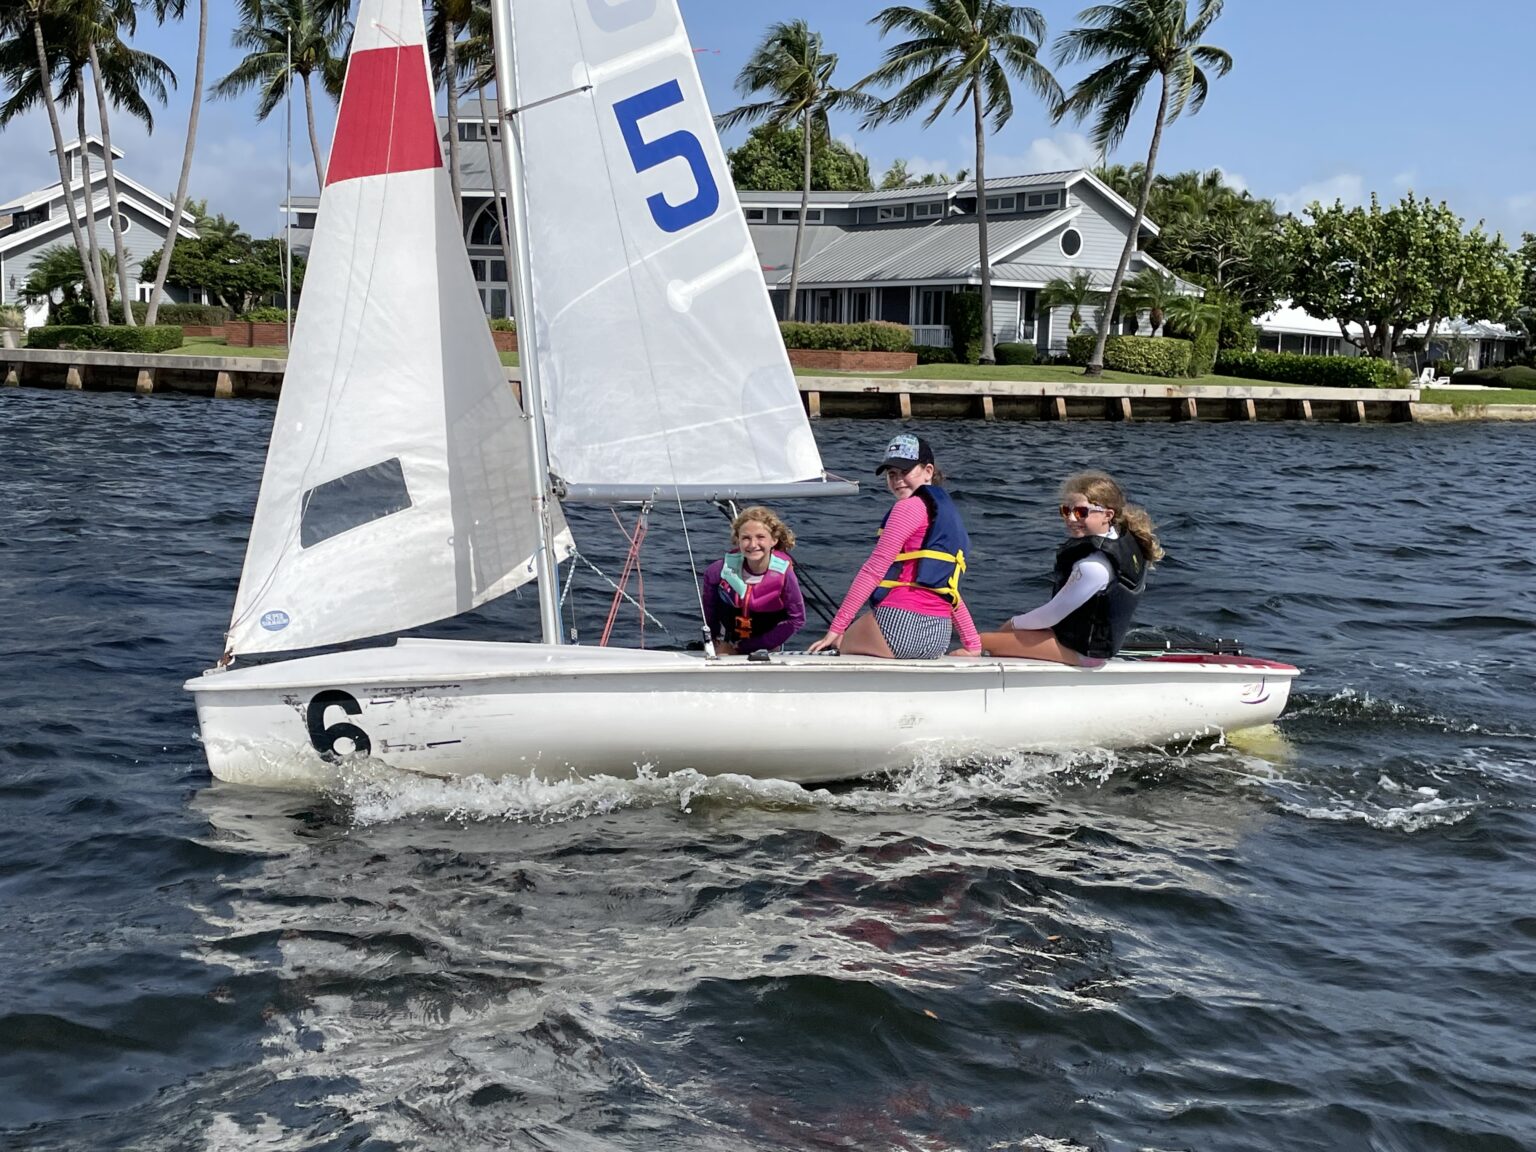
(1322,937)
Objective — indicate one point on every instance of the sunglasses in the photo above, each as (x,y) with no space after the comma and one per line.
(1080,511)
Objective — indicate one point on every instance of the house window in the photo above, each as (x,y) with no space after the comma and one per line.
(485,232)
(888,212)
(1071,242)
(930,305)
(791,215)
(859,305)
(922,211)
(142,292)
(124,225)
(757,215)
(1042,200)
(471,132)
(1002,203)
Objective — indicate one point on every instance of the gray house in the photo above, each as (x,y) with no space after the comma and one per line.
(895,256)
(38,221)
(898,255)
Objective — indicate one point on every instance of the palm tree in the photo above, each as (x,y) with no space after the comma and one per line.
(478,60)
(790,65)
(1075,291)
(959,51)
(1138,40)
(317,44)
(29,59)
(120,76)
(1152,292)
(59,269)
(164,10)
(449,17)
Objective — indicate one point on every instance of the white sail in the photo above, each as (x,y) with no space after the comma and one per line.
(659,356)
(397,487)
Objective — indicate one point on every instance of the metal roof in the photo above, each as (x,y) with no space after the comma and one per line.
(946,249)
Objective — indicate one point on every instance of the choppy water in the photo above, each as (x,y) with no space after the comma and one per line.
(1322,938)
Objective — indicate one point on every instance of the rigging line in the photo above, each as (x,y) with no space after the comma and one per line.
(333,394)
(631,564)
(548,99)
(608,580)
(650,370)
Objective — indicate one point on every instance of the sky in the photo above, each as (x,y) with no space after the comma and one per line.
(1327,99)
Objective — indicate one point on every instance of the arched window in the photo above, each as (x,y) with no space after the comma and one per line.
(485,231)
(1071,242)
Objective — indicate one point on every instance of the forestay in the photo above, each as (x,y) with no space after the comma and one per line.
(397,487)
(658,352)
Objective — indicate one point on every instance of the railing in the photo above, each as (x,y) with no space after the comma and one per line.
(931,335)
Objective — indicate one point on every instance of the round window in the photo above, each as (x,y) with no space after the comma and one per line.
(1071,242)
(123,224)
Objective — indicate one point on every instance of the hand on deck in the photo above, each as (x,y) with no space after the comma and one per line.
(966,652)
(830,640)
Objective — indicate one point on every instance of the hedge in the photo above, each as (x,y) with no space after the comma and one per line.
(267,314)
(1323,371)
(1014,353)
(171,313)
(874,336)
(1508,376)
(1144,355)
(934,354)
(964,315)
(114,339)
(501,324)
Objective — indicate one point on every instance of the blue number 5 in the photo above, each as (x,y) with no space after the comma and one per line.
(646,154)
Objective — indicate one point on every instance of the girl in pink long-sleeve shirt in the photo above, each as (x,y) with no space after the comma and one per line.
(917,598)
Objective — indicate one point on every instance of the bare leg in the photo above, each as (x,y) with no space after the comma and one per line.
(864,638)
(1032,644)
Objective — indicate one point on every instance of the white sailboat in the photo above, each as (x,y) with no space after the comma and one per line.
(404,484)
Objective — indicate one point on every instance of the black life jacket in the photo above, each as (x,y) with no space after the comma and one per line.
(1098,628)
(941,556)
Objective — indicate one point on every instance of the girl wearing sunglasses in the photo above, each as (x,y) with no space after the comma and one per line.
(1100,574)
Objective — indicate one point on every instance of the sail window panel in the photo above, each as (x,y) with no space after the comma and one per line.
(352,500)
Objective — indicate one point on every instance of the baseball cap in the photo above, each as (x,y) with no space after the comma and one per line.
(904,453)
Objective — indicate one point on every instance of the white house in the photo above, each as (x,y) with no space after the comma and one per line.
(1290,329)
(33,223)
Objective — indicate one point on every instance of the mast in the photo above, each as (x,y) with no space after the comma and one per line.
(532,392)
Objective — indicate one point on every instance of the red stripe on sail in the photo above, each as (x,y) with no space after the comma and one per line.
(386,122)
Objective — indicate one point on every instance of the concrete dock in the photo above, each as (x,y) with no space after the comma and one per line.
(874,396)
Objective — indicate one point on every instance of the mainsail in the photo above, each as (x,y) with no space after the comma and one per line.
(658,353)
(397,487)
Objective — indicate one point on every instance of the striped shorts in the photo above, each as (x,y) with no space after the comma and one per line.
(912,635)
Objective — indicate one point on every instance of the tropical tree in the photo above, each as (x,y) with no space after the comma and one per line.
(959,52)
(29,59)
(478,60)
(449,19)
(1137,41)
(1151,291)
(58,272)
(263,31)
(167,10)
(897,176)
(1075,291)
(791,67)
(771,161)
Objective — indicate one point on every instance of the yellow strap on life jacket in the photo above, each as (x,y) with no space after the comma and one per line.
(951,587)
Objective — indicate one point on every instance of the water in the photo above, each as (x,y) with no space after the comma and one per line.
(1322,937)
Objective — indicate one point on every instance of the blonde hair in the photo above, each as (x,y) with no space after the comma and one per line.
(783,538)
(1100,488)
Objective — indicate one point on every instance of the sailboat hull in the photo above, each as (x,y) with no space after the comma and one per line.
(455,708)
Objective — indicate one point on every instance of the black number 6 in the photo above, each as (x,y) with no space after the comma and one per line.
(323,738)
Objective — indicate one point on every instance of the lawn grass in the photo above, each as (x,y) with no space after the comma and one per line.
(1025,373)
(1459,398)
(215,346)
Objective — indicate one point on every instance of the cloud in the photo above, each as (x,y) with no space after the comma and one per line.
(1233,180)
(1062,152)
(1347,186)
(1405,179)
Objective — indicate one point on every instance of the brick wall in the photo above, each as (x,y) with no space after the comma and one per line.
(244,334)
(835,361)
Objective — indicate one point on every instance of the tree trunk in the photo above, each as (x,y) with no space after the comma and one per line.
(92,282)
(115,219)
(98,283)
(792,308)
(1096,361)
(450,69)
(186,166)
(314,140)
(505,136)
(988,353)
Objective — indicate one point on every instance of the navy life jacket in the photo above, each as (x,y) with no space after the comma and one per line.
(1098,628)
(941,556)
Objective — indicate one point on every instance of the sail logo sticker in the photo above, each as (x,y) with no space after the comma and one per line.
(274,621)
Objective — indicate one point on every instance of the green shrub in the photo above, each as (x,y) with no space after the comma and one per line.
(1144,355)
(964,310)
(266,315)
(502,324)
(72,312)
(1322,371)
(933,354)
(1202,356)
(116,338)
(171,313)
(873,336)
(1509,376)
(1015,353)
